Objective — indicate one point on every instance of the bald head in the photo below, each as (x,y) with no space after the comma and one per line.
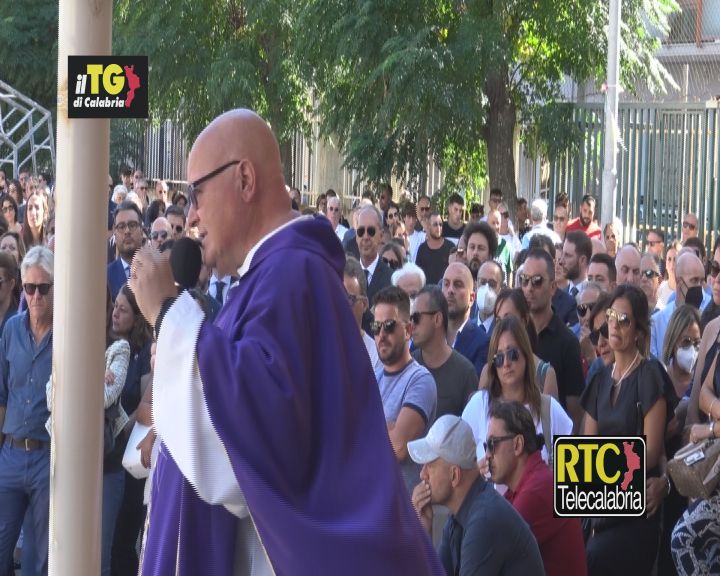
(627,263)
(245,197)
(460,270)
(689,273)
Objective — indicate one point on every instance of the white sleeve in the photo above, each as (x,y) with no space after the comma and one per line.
(560,423)
(180,413)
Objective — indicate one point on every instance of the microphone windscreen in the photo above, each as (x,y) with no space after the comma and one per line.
(186,262)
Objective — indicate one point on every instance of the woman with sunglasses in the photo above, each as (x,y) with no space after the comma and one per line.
(598,338)
(627,398)
(511,376)
(392,254)
(511,302)
(667,286)
(585,302)
(10,210)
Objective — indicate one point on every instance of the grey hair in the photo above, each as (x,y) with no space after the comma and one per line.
(538,210)
(38,256)
(371,208)
(407,270)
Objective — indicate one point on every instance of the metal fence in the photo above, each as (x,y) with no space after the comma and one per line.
(668,164)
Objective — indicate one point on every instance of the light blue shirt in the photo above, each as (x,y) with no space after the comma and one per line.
(660,321)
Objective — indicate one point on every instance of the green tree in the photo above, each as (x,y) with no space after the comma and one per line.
(208,56)
(399,79)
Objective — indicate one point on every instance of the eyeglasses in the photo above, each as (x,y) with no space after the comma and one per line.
(392,215)
(8,208)
(490,282)
(42,288)
(123,226)
(582,309)
(417,316)
(162,235)
(689,225)
(536,280)
(388,326)
(493,441)
(650,273)
(687,342)
(595,334)
(424,208)
(371,230)
(394,264)
(333,209)
(622,319)
(193,187)
(505,214)
(714,268)
(512,354)
(178,229)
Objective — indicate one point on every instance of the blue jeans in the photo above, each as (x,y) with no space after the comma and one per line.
(24,486)
(113,489)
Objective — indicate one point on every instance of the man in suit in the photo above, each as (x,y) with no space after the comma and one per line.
(369,238)
(128,238)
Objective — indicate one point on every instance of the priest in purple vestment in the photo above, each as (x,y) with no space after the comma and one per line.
(275,457)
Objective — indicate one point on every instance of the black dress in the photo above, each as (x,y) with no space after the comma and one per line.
(626,545)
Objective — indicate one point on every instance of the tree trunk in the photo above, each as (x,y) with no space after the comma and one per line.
(286,159)
(499,138)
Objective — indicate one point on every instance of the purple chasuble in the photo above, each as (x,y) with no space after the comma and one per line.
(292,396)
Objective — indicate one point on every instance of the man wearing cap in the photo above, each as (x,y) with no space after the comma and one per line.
(484,534)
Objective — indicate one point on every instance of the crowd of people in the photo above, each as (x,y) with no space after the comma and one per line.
(487,339)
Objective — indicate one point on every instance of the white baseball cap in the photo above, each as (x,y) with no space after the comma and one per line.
(451,439)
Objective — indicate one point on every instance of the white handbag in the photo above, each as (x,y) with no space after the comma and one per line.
(131,459)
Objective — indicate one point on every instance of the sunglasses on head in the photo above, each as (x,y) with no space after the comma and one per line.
(687,342)
(417,316)
(162,235)
(371,230)
(388,326)
(42,288)
(583,309)
(394,264)
(650,273)
(512,354)
(492,442)
(536,280)
(595,334)
(621,318)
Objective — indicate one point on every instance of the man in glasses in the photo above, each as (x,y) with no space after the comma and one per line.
(356,287)
(454,375)
(176,216)
(556,342)
(407,389)
(128,239)
(586,221)
(160,232)
(516,462)
(423,213)
(462,332)
(650,280)
(484,535)
(25,367)
(273,395)
(334,214)
(689,227)
(433,254)
(369,239)
(453,227)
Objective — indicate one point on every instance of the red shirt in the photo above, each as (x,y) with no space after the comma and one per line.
(560,539)
(592,229)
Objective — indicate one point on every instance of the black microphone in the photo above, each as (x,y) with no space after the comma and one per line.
(186,262)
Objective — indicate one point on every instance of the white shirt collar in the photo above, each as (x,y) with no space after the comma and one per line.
(488,323)
(248,259)
(373,265)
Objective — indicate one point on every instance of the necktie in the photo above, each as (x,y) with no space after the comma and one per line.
(127,272)
(574,291)
(219,286)
(367,275)
(482,328)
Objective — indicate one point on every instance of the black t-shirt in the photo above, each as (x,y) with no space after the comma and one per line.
(559,346)
(455,381)
(450,232)
(433,262)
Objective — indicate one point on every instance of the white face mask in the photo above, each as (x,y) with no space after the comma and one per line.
(485,299)
(686,358)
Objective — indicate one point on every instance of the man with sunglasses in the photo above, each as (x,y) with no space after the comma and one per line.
(650,280)
(160,232)
(369,239)
(689,227)
(273,395)
(433,254)
(556,342)
(454,375)
(483,535)
(25,367)
(407,389)
(128,239)
(176,216)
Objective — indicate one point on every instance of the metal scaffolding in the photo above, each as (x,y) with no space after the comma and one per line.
(26,134)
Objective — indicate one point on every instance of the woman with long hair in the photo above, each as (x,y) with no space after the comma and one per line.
(627,398)
(511,376)
(10,212)
(36,215)
(512,302)
(597,322)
